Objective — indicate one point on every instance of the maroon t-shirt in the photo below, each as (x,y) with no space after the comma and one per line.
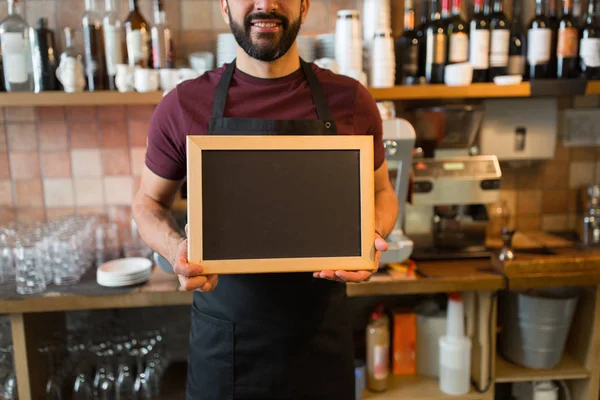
(187,109)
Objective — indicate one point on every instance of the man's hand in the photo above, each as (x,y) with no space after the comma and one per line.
(189,275)
(356,276)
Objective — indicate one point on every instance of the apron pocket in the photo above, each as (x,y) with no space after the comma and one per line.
(210,361)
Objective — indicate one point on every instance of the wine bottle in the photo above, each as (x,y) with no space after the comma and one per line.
(17,55)
(539,44)
(422,38)
(163,50)
(137,37)
(407,49)
(113,42)
(589,47)
(553,25)
(48,55)
(479,43)
(436,46)
(568,44)
(500,41)
(458,35)
(517,48)
(93,48)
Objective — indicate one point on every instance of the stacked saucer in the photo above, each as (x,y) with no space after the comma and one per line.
(124,272)
(226,49)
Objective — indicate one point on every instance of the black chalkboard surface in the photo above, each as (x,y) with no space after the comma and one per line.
(280,203)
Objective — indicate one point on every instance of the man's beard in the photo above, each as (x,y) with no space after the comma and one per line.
(274,49)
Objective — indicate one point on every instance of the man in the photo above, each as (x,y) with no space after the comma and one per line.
(261,336)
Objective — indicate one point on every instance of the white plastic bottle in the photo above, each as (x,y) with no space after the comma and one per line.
(455,350)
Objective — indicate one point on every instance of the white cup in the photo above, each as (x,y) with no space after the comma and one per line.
(168,78)
(545,390)
(202,61)
(186,74)
(146,80)
(124,78)
(460,74)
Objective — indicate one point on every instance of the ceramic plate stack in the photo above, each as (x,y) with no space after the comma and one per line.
(382,71)
(124,272)
(226,49)
(325,45)
(306,48)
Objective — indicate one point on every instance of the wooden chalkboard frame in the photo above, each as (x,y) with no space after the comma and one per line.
(197,144)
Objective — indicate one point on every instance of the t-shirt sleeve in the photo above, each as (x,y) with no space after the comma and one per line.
(368,122)
(166,151)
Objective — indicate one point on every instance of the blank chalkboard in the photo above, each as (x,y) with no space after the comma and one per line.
(276,204)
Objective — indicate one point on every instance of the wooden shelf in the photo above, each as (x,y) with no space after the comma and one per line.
(416,387)
(569,368)
(417,92)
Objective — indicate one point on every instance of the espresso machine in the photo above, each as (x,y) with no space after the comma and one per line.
(453,185)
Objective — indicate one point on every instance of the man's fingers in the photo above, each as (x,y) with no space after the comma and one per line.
(353,276)
(183,268)
(381,244)
(327,275)
(193,282)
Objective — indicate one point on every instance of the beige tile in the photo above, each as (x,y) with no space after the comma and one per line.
(112,113)
(56,164)
(58,192)
(138,160)
(579,154)
(317,18)
(42,8)
(29,193)
(561,153)
(86,163)
(555,222)
(116,161)
(530,177)
(529,223)
(22,137)
(56,114)
(28,215)
(89,192)
(118,190)
(6,194)
(555,175)
(529,202)
(138,132)
(53,136)
(589,101)
(24,165)
(82,113)
(140,112)
(20,114)
(84,135)
(4,166)
(196,15)
(218,23)
(114,133)
(555,201)
(3,141)
(581,174)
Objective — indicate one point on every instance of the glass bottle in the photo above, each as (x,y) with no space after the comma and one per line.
(93,47)
(436,46)
(591,219)
(16,37)
(458,35)
(113,42)
(500,41)
(479,44)
(48,55)
(567,50)
(553,25)
(378,363)
(422,38)
(163,49)
(539,44)
(589,46)
(137,37)
(407,49)
(517,48)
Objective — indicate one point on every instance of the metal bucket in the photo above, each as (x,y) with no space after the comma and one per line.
(536,326)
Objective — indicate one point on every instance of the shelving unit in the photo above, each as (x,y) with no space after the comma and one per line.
(420,92)
(416,387)
(568,368)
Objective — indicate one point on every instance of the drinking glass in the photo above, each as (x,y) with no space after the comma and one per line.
(29,274)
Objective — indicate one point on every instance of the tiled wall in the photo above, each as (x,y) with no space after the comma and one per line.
(57,160)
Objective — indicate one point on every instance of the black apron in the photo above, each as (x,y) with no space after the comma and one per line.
(271,336)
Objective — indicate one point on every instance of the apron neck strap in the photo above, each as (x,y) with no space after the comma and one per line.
(316,91)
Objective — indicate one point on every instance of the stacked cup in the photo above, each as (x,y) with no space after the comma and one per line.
(376,15)
(226,48)
(383,61)
(348,42)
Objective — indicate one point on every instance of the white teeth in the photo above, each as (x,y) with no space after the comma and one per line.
(266,24)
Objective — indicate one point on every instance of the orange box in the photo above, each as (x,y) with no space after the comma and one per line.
(405,343)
